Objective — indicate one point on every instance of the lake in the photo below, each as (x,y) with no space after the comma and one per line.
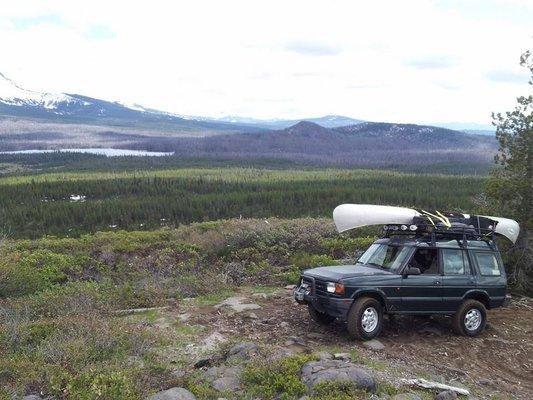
(100,151)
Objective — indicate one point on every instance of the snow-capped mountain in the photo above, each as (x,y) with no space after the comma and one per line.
(13,95)
(65,107)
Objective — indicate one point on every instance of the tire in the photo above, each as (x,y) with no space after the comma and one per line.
(365,308)
(320,317)
(470,319)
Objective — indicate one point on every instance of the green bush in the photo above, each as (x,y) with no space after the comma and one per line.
(305,260)
(96,384)
(276,380)
(328,390)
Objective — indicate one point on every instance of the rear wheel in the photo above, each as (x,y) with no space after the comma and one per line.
(319,317)
(470,319)
(365,318)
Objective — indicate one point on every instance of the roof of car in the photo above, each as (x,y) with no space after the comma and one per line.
(426,242)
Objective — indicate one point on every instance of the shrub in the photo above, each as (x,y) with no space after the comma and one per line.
(305,260)
(280,379)
(328,390)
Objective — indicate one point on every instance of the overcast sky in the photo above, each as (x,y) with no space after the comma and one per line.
(406,61)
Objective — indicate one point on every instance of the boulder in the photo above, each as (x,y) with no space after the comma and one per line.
(314,372)
(175,393)
(224,378)
(236,304)
(406,396)
(226,384)
(446,395)
(374,344)
(243,350)
(342,356)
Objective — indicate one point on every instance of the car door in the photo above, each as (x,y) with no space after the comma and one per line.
(457,277)
(422,293)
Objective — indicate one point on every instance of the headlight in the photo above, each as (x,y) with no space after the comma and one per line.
(337,288)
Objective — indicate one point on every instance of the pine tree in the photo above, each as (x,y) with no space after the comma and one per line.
(511,183)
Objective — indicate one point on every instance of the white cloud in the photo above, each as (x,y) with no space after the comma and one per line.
(416,61)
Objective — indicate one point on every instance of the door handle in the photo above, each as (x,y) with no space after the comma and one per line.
(436,282)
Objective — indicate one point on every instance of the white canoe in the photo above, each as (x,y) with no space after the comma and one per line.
(351,216)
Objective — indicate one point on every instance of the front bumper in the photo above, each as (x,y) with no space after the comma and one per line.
(337,307)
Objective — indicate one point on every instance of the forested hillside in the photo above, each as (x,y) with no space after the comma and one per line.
(68,204)
(363,145)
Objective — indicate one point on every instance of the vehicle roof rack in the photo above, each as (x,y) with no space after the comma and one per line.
(432,232)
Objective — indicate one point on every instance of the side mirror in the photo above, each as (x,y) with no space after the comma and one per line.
(412,271)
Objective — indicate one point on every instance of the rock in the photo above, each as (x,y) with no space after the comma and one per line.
(290,287)
(176,393)
(374,344)
(316,335)
(32,397)
(297,345)
(227,383)
(224,378)
(284,324)
(342,356)
(484,382)
(245,307)
(243,350)
(184,317)
(446,395)
(295,340)
(324,355)
(236,304)
(252,315)
(212,341)
(314,372)
(260,295)
(406,396)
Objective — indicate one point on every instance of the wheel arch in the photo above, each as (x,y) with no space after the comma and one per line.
(479,295)
(373,293)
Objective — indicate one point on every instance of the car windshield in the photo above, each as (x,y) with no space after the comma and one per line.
(384,256)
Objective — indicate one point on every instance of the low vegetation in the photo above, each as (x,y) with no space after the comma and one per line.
(59,331)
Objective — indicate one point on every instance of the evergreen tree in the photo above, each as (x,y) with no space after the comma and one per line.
(511,183)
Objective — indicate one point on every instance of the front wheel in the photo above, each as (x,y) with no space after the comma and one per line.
(319,317)
(470,319)
(365,318)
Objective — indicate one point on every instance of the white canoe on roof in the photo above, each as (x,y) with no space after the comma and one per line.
(350,216)
(506,227)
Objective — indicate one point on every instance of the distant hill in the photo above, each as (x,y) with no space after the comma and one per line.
(328,121)
(365,144)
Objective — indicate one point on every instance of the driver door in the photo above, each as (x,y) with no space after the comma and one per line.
(422,293)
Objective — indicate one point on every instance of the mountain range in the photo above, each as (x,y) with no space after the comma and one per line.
(37,120)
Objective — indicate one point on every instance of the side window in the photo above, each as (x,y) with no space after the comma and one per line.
(426,261)
(454,262)
(487,263)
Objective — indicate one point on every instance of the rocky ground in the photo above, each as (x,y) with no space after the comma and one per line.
(219,334)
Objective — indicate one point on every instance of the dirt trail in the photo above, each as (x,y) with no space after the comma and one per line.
(499,362)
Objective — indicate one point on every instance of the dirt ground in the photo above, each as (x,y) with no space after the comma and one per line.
(496,364)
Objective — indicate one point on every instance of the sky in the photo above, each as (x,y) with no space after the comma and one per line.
(420,61)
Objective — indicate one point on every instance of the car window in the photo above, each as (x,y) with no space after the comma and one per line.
(385,256)
(454,262)
(487,263)
(426,261)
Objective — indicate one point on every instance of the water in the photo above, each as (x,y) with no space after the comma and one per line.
(104,152)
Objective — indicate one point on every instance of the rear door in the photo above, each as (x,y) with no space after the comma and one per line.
(457,278)
(422,293)
(491,275)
